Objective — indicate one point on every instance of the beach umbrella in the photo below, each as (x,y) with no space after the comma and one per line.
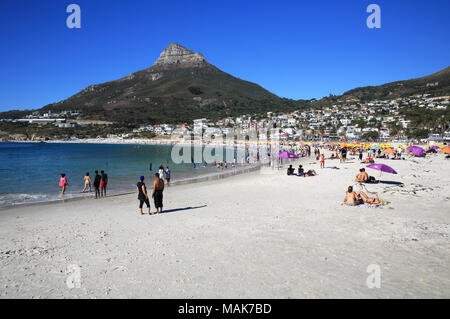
(435,147)
(446,150)
(382,168)
(286,155)
(375,148)
(389,151)
(431,150)
(416,150)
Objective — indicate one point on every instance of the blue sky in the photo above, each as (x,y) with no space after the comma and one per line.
(296,49)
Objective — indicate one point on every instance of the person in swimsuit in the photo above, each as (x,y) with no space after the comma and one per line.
(142,195)
(369,200)
(322,161)
(103,183)
(87,182)
(97,179)
(351,198)
(158,188)
(63,183)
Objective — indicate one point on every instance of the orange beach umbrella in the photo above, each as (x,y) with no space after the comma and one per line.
(446,150)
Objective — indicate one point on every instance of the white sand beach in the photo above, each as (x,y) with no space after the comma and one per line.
(256,235)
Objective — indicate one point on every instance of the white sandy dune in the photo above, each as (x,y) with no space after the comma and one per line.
(258,235)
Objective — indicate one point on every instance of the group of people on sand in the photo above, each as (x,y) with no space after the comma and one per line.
(157,194)
(354,199)
(301,172)
(100,183)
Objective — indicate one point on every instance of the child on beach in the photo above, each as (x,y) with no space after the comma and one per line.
(63,183)
(322,161)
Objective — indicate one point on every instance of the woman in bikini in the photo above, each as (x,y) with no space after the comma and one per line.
(369,200)
(87,182)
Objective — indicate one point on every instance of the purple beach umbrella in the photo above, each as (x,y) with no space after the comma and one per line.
(382,168)
(416,150)
(435,147)
(286,155)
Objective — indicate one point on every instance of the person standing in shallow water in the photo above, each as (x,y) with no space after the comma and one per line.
(167,175)
(87,182)
(97,179)
(158,188)
(142,195)
(63,183)
(103,183)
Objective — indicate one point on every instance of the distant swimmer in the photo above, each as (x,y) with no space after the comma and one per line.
(103,183)
(87,182)
(63,183)
(142,195)
(158,188)
(97,179)
(150,167)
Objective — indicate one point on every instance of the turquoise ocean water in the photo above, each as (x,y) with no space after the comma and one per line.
(29,172)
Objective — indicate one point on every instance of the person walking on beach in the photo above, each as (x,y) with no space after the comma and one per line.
(158,188)
(103,183)
(167,175)
(87,182)
(97,179)
(142,195)
(63,183)
(322,161)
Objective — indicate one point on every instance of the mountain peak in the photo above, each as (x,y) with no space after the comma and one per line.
(176,55)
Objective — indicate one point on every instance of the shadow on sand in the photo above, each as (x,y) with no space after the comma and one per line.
(181,209)
(391,183)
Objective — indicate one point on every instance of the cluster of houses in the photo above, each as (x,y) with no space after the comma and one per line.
(345,120)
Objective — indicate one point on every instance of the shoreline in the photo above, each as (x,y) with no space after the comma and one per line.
(187,181)
(262,235)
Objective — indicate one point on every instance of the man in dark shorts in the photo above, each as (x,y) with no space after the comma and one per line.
(103,183)
(142,195)
(344,154)
(97,179)
(158,188)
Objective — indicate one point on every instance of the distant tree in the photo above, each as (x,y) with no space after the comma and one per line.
(370,136)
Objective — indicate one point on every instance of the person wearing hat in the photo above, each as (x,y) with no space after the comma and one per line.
(142,195)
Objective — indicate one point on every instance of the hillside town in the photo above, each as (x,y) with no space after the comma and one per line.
(381,120)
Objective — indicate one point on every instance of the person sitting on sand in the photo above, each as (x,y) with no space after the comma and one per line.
(301,171)
(362,177)
(351,198)
(290,170)
(369,200)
